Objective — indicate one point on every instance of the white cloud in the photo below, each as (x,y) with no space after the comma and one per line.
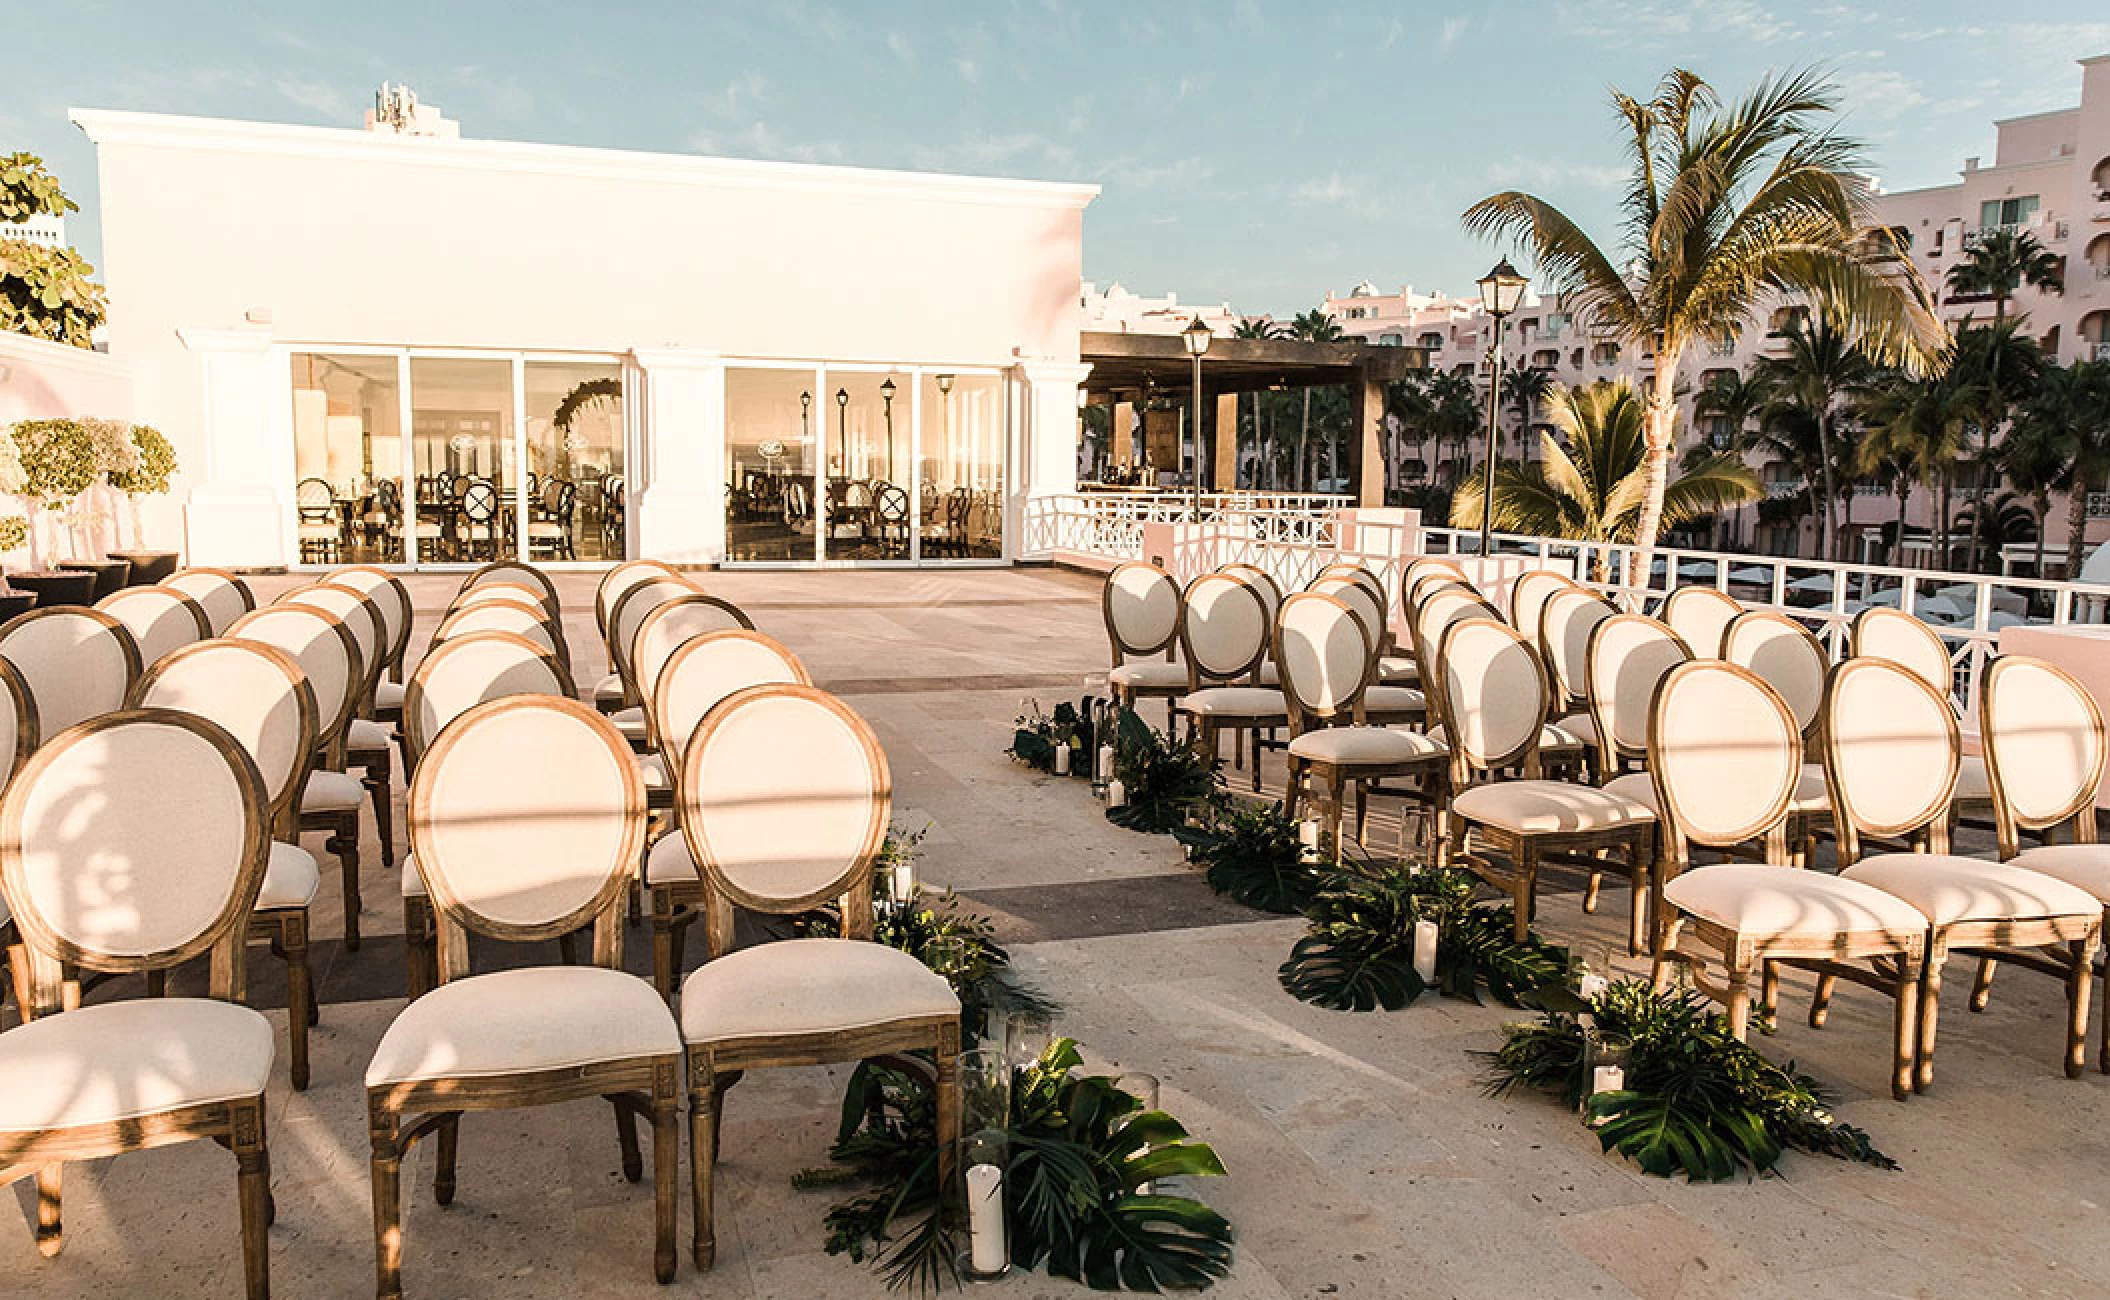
(738,96)
(1453,28)
(903,48)
(970,71)
(1538,174)
(1884,94)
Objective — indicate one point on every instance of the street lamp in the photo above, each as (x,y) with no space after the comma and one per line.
(1500,291)
(1196,336)
(886,396)
(842,428)
(944,382)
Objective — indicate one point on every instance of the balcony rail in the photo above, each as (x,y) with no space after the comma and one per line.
(1294,536)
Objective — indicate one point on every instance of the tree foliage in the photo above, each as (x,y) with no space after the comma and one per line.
(45,292)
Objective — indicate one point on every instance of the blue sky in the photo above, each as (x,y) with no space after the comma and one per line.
(1251,151)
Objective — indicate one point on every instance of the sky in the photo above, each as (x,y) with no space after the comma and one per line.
(1251,151)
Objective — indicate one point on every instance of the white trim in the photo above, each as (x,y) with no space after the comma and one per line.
(168,130)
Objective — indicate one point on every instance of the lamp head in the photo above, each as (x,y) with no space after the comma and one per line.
(886,389)
(1196,336)
(1502,289)
(805,401)
(842,398)
(945,385)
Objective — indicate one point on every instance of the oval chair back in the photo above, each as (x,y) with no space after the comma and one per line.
(1629,654)
(388,593)
(1528,595)
(503,587)
(514,571)
(224,596)
(1224,631)
(631,609)
(1417,568)
(784,797)
(1782,651)
(133,842)
(18,723)
(1432,618)
(255,693)
(160,619)
(512,616)
(324,648)
(465,671)
(1890,755)
(1359,596)
(1724,756)
(529,851)
(1357,573)
(1494,697)
(1325,658)
(706,670)
(673,622)
(1904,640)
(77,663)
(1263,582)
(1700,615)
(361,616)
(1141,605)
(1566,621)
(1433,580)
(620,579)
(2044,750)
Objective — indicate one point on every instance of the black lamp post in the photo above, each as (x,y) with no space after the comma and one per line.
(1500,291)
(1196,336)
(886,397)
(842,428)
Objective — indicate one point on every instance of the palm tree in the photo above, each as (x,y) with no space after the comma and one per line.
(1524,387)
(1313,326)
(1259,327)
(2037,458)
(2002,261)
(1996,364)
(1727,207)
(2072,404)
(1735,400)
(1920,423)
(1590,482)
(1455,412)
(1818,366)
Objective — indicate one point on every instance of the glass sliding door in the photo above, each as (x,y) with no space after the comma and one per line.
(960,473)
(463,452)
(773,423)
(348,458)
(575,478)
(870,451)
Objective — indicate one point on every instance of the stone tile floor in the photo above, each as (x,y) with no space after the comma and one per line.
(1365,1159)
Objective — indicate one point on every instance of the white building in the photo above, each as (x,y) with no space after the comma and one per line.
(704,360)
(1118,311)
(41,228)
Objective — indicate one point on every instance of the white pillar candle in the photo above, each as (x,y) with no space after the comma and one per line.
(1308,840)
(1116,794)
(903,884)
(987,1250)
(1106,762)
(1425,951)
(1607,1078)
(1062,760)
(1592,985)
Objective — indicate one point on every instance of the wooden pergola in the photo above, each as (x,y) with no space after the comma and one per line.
(1126,368)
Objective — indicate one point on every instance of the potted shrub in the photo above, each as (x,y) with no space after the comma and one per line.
(58,461)
(154,463)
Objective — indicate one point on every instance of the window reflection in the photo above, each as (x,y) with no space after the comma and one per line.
(347,458)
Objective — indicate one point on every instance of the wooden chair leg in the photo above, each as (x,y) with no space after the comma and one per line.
(449,1144)
(626,1138)
(387,1169)
(1768,995)
(1666,951)
(1637,876)
(1739,994)
(344,843)
(946,1099)
(1362,810)
(1982,984)
(2082,955)
(253,1188)
(378,778)
(1904,1046)
(300,994)
(1821,1001)
(157,983)
(51,1232)
(1527,888)
(703,1155)
(666,1169)
(663,970)
(420,947)
(1929,1017)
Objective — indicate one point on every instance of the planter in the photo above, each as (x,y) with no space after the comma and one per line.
(148,567)
(56,587)
(109,575)
(16,602)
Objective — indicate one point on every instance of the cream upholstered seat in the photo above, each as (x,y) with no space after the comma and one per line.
(1725,760)
(368,733)
(527,818)
(388,697)
(2084,866)
(1546,807)
(1224,638)
(1140,605)
(809,986)
(518,1021)
(1364,745)
(1236,702)
(223,596)
(1555,738)
(1148,676)
(328,791)
(128,1060)
(1809,795)
(1890,755)
(609,689)
(701,673)
(1394,703)
(1700,615)
(1771,902)
(76,663)
(258,695)
(784,801)
(160,619)
(135,843)
(1397,670)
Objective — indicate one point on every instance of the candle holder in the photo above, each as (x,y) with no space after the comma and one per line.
(1106,720)
(1427,937)
(1606,1058)
(899,877)
(1027,1035)
(1590,966)
(947,955)
(985,1122)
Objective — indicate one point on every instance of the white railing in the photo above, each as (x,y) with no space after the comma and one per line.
(1295,540)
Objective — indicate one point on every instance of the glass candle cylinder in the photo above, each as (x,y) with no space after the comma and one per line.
(985,1122)
(1116,794)
(1026,1037)
(1062,759)
(1426,937)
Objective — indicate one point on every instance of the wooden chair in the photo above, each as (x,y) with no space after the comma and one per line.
(389,595)
(1562,640)
(510,616)
(78,663)
(527,818)
(608,692)
(18,740)
(1223,638)
(1494,706)
(222,595)
(784,799)
(1902,639)
(623,621)
(1360,590)
(329,800)
(1328,663)
(662,632)
(1700,615)
(1725,758)
(1140,604)
(505,586)
(1528,594)
(175,877)
(702,672)
(2044,752)
(1783,652)
(1561,750)
(456,676)
(257,694)
(1890,750)
(160,619)
(518,573)
(367,741)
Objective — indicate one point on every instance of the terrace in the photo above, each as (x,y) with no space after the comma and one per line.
(1364,1157)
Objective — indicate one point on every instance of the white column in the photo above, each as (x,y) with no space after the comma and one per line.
(1047,465)
(681,510)
(241,513)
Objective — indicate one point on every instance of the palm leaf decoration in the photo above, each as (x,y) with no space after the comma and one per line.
(1251,855)
(1167,781)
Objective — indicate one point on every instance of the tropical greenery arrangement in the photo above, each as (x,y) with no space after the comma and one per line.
(1166,781)
(1036,736)
(1249,852)
(45,292)
(1696,1102)
(1358,954)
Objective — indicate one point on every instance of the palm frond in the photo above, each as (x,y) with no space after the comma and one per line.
(1563,254)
